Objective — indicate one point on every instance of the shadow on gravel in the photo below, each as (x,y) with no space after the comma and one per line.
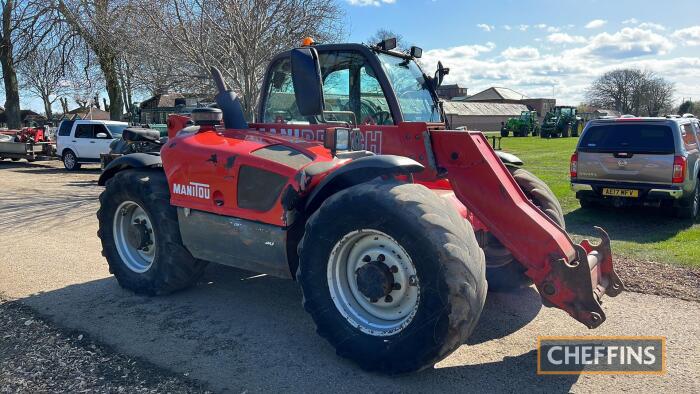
(239,331)
(506,313)
(641,225)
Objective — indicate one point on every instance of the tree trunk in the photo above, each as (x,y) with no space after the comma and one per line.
(114,91)
(47,107)
(9,74)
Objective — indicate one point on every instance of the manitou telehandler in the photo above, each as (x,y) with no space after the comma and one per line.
(391,225)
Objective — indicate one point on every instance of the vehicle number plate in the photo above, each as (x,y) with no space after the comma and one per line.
(621,192)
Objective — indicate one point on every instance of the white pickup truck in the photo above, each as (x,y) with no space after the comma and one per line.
(82,141)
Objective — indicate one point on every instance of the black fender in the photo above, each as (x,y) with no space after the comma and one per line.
(132,160)
(509,159)
(359,171)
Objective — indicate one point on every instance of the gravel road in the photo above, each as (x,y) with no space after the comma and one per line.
(237,331)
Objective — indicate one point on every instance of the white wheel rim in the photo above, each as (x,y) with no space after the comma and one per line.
(386,315)
(134,237)
(69,160)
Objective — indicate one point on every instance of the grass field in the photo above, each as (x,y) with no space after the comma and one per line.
(646,234)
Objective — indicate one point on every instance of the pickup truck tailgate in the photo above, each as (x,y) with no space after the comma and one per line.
(627,152)
(626,167)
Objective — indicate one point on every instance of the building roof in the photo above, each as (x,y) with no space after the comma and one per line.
(89,113)
(161,100)
(497,93)
(463,108)
(25,115)
(607,112)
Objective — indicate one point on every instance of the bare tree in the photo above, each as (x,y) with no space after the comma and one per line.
(43,75)
(631,91)
(238,36)
(657,96)
(100,23)
(383,34)
(24,26)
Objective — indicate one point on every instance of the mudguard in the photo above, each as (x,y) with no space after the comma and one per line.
(133,160)
(358,171)
(509,158)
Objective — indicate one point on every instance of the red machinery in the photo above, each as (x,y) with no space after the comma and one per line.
(391,273)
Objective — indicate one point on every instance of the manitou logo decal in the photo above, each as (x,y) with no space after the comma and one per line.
(194,189)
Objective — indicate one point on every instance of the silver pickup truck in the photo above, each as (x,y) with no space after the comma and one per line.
(639,161)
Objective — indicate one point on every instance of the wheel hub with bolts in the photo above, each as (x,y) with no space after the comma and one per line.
(373,282)
(134,236)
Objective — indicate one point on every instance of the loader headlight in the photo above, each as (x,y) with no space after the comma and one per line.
(342,139)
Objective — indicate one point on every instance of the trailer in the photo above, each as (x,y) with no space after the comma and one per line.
(30,151)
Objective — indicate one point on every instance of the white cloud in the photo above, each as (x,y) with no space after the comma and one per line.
(485,27)
(523,27)
(364,3)
(507,27)
(690,36)
(651,25)
(463,51)
(628,42)
(596,23)
(563,38)
(630,21)
(521,53)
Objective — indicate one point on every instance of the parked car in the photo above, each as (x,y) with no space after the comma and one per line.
(82,141)
(639,161)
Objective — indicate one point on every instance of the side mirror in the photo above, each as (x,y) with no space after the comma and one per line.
(440,74)
(416,52)
(307,81)
(101,135)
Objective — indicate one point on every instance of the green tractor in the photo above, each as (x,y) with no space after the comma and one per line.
(523,126)
(562,121)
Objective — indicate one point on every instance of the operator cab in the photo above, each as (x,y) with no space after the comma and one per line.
(362,85)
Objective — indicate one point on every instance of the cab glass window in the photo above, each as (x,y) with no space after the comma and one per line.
(688,135)
(65,128)
(84,131)
(411,89)
(351,90)
(280,103)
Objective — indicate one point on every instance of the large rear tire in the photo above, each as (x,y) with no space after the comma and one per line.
(392,276)
(141,237)
(503,272)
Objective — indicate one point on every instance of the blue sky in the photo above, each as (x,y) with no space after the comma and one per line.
(542,48)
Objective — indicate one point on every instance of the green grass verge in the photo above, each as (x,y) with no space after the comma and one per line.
(638,233)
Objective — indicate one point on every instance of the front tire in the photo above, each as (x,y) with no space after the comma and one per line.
(503,272)
(141,237)
(70,161)
(412,287)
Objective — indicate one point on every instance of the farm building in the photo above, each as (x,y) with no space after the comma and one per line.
(510,96)
(481,116)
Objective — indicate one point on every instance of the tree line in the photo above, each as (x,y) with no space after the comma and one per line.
(632,91)
(71,50)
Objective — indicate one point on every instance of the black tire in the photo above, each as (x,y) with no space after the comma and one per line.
(72,163)
(448,261)
(15,159)
(566,132)
(503,272)
(544,134)
(690,208)
(173,267)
